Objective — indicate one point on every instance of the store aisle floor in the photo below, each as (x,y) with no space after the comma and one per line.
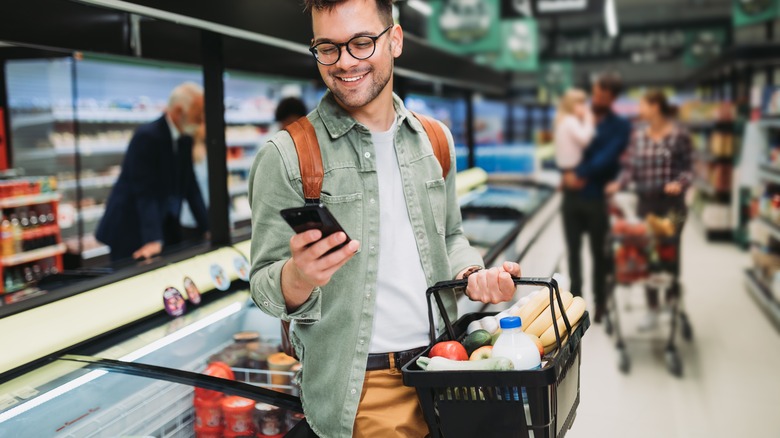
(730,386)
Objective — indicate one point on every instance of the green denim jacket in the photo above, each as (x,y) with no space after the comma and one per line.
(332,330)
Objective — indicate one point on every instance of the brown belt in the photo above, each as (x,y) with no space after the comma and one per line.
(386,361)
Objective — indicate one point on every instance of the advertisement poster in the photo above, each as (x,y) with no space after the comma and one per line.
(747,12)
(703,45)
(465,26)
(557,77)
(520,51)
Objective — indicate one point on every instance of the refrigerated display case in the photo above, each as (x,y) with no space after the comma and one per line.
(72,117)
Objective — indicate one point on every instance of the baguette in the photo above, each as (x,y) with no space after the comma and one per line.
(544,321)
(535,306)
(574,312)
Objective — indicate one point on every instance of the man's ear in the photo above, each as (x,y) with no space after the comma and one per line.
(397,40)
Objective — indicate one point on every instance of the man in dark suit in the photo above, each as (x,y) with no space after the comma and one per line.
(142,212)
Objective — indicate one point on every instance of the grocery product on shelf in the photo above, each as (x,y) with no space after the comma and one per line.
(30,238)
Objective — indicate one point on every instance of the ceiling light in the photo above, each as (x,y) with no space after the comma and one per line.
(610,16)
(421,7)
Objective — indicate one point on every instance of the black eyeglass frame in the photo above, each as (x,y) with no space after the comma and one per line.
(373,38)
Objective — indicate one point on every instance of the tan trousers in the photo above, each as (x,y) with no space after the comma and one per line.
(388,408)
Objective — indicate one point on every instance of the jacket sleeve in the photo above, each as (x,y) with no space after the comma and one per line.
(272,189)
(606,157)
(627,175)
(684,161)
(459,251)
(143,162)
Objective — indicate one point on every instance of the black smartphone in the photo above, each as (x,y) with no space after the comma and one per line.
(314,217)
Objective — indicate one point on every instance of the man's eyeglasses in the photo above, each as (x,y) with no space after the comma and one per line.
(360,47)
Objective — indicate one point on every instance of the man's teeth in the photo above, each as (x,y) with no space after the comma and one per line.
(353,79)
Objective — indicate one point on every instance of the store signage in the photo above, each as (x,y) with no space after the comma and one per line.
(557,77)
(660,43)
(536,8)
(703,45)
(465,26)
(748,12)
(520,51)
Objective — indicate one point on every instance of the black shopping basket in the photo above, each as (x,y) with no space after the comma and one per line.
(533,403)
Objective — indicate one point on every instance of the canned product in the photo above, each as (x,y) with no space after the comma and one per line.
(238,416)
(270,420)
(208,413)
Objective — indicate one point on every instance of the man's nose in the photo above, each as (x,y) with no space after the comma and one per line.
(346,60)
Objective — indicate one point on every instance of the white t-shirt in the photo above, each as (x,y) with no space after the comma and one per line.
(572,136)
(401,313)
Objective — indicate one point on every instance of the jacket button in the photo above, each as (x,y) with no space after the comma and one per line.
(265,303)
(367,155)
(354,391)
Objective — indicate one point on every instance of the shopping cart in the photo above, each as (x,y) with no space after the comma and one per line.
(533,403)
(646,253)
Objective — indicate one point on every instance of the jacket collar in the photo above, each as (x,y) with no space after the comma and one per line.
(338,122)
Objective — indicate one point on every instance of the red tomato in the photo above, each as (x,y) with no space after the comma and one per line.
(452,350)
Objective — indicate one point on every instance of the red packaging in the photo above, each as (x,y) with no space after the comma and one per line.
(208,414)
(208,432)
(237,412)
(216,369)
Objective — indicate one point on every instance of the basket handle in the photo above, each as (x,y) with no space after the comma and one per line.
(550,283)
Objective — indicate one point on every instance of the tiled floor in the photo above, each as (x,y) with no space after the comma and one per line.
(731,381)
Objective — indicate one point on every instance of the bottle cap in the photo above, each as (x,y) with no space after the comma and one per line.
(511,322)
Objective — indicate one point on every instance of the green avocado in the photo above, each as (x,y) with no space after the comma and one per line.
(477,339)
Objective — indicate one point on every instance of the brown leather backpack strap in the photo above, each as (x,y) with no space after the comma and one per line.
(309,158)
(441,147)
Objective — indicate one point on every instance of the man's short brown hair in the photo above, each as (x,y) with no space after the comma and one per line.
(385,8)
(610,81)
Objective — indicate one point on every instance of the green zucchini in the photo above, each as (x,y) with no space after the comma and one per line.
(443,364)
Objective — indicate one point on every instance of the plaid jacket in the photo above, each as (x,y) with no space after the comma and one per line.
(648,165)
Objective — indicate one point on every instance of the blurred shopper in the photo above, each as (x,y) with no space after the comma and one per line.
(584,200)
(289,110)
(658,167)
(358,316)
(574,129)
(142,212)
(200,168)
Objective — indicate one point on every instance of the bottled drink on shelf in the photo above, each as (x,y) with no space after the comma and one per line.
(6,238)
(33,219)
(18,233)
(24,221)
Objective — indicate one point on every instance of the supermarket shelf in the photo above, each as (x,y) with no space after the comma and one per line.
(240,217)
(707,188)
(240,164)
(92,253)
(247,142)
(763,296)
(772,227)
(769,174)
(22,201)
(101,149)
(248,118)
(31,256)
(26,120)
(235,191)
(95,182)
(710,158)
(721,125)
(46,230)
(92,213)
(107,115)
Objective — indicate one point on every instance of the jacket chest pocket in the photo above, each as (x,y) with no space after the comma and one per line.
(437,199)
(348,211)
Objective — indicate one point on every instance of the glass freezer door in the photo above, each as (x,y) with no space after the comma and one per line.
(80,396)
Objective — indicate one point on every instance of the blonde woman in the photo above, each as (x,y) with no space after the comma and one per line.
(574,129)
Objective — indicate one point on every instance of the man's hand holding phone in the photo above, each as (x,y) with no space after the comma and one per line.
(315,258)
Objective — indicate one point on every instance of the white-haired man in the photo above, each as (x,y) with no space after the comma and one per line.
(142,212)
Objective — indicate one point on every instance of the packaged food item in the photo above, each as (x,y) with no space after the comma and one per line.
(246,337)
(270,421)
(237,412)
(293,418)
(280,362)
(208,414)
(216,369)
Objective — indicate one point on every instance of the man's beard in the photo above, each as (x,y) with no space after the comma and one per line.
(601,110)
(359,98)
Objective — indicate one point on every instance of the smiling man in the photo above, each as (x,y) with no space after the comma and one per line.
(359,314)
